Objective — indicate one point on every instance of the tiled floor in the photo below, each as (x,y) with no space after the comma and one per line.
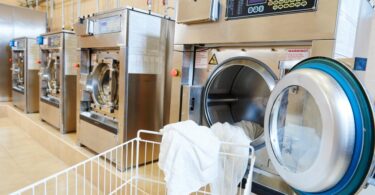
(22,160)
(25,157)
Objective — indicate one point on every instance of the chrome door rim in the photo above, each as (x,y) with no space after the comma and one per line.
(256,65)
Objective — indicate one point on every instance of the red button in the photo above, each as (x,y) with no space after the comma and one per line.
(10,60)
(76,65)
(39,62)
(174,72)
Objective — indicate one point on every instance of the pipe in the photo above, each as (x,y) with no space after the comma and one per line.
(117,3)
(62,14)
(52,11)
(165,4)
(97,5)
(37,4)
(72,16)
(48,16)
(79,8)
(149,3)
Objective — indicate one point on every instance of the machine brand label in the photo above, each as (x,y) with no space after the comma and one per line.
(251,8)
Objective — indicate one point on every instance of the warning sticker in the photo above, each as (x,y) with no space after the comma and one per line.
(213,60)
(201,59)
(297,54)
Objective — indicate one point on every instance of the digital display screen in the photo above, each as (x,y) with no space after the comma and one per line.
(257,8)
(252,2)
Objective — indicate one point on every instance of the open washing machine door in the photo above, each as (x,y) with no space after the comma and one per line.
(18,71)
(103,84)
(319,129)
(238,91)
(51,76)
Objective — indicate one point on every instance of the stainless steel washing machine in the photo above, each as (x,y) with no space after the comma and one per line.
(122,77)
(224,86)
(58,79)
(25,80)
(247,67)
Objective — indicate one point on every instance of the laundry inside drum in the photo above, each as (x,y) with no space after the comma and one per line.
(238,94)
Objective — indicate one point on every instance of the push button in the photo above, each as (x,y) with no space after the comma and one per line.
(174,72)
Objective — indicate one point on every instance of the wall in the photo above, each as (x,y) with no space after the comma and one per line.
(90,6)
(370,71)
(15,22)
(10,2)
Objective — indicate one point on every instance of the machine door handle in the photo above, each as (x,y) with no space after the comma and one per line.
(192,104)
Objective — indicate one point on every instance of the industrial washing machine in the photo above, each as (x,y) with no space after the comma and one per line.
(253,66)
(25,80)
(58,77)
(122,79)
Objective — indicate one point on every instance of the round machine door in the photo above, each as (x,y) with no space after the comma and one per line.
(237,92)
(319,129)
(104,80)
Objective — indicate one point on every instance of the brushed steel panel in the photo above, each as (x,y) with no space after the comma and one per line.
(32,91)
(143,107)
(95,138)
(291,27)
(203,11)
(50,114)
(18,100)
(69,110)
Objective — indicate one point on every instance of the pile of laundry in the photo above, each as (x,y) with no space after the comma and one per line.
(190,156)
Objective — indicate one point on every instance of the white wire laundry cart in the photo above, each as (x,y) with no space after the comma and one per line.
(125,169)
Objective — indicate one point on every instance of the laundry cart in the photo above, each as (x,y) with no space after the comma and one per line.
(131,174)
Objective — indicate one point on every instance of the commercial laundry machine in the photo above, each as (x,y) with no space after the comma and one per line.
(25,80)
(58,77)
(122,77)
(254,64)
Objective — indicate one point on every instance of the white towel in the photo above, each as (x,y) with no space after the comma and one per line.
(252,130)
(232,168)
(189,157)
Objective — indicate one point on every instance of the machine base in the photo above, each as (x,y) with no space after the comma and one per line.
(18,100)
(50,114)
(95,138)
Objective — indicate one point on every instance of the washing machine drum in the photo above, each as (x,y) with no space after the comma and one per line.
(319,129)
(18,69)
(104,85)
(51,76)
(238,91)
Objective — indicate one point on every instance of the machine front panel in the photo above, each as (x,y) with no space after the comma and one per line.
(58,79)
(19,59)
(25,84)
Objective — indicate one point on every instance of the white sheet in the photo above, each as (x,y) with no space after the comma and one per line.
(189,157)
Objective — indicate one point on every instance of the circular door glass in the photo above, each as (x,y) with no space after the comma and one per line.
(296,129)
(105,87)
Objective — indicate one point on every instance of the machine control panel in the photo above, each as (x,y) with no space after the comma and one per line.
(106,25)
(19,44)
(252,8)
(53,41)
